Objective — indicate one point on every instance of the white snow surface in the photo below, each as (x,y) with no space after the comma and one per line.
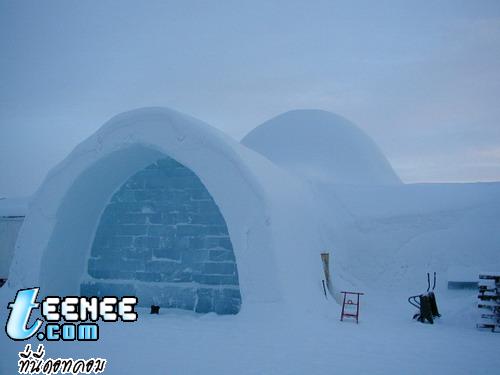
(391,236)
(321,145)
(386,341)
(383,237)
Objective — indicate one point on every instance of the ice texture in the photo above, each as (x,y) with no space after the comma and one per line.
(162,226)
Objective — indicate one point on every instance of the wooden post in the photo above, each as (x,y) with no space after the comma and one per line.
(325,258)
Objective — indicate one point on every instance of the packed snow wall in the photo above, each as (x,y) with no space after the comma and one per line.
(163,239)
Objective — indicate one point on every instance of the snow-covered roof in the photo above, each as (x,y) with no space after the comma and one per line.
(323,146)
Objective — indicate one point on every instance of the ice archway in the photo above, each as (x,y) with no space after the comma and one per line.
(56,240)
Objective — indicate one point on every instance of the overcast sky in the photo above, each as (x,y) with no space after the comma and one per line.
(421,78)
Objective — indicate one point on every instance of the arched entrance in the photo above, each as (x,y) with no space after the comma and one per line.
(56,241)
(162,238)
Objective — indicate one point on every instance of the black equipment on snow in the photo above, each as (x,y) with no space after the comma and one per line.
(426,303)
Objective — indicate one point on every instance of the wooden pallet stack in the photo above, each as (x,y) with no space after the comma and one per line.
(489,296)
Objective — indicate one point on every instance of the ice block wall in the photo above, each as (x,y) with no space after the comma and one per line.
(163,239)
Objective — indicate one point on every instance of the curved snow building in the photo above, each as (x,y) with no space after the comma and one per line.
(158,205)
(162,206)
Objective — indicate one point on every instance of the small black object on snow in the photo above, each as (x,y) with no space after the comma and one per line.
(426,303)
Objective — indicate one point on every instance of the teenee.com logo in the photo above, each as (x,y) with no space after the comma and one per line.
(68,319)
(80,316)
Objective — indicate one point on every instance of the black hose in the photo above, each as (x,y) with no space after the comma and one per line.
(414,303)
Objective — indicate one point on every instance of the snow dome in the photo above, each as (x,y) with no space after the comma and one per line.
(158,205)
(321,145)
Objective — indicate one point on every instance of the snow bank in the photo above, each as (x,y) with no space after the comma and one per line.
(389,237)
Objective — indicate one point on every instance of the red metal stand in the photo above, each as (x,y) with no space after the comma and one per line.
(350,303)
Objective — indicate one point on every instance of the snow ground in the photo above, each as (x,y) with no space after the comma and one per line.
(386,341)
